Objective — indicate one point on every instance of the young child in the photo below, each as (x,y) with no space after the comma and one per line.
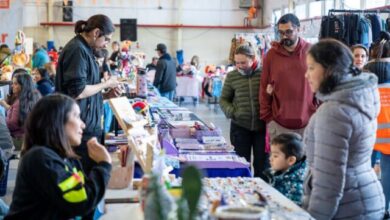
(288,166)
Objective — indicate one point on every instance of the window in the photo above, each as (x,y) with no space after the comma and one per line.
(352,4)
(375,3)
(329,4)
(300,11)
(276,15)
(315,9)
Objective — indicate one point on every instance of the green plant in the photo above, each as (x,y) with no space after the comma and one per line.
(191,192)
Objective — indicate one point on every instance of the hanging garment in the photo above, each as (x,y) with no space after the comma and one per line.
(376,26)
(363,30)
(332,27)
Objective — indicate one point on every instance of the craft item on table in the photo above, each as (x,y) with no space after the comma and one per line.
(180,131)
(122,176)
(209,158)
(241,213)
(140,107)
(115,140)
(183,123)
(189,146)
(216,160)
(138,138)
(125,114)
(142,83)
(206,133)
(213,140)
(186,140)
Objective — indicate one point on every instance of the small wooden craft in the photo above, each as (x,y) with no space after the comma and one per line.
(133,126)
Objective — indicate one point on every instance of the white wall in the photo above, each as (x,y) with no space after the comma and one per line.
(212,45)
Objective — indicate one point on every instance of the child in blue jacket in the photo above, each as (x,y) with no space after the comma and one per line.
(288,166)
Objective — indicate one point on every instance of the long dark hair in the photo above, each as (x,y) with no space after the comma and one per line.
(11,97)
(45,125)
(381,48)
(336,59)
(102,22)
(28,96)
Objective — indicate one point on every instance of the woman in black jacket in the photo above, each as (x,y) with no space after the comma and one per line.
(50,183)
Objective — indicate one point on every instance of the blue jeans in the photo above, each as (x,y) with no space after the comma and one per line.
(385,180)
(376,155)
(168,95)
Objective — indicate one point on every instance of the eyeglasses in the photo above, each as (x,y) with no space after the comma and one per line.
(107,39)
(286,33)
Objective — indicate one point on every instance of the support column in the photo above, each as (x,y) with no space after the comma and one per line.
(50,7)
(179,43)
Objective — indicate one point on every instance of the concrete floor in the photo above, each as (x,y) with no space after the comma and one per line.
(207,112)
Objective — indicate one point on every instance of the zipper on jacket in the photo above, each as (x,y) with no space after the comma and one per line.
(251,100)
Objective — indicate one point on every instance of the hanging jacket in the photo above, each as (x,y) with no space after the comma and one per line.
(289,182)
(292,102)
(339,140)
(363,30)
(332,27)
(376,26)
(50,187)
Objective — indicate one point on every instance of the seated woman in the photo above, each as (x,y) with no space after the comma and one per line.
(50,183)
(44,84)
(24,96)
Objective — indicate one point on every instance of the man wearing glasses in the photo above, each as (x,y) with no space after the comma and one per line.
(286,101)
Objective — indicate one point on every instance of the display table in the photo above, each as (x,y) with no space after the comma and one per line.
(120,211)
(279,206)
(215,160)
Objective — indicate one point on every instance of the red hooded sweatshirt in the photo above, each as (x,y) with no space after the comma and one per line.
(292,102)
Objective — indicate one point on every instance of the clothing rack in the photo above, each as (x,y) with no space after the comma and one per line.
(358,11)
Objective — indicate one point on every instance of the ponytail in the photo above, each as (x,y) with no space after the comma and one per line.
(102,22)
(80,26)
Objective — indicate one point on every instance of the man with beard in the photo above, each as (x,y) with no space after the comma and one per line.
(286,101)
(239,101)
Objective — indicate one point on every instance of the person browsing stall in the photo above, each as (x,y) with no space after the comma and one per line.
(50,182)
(340,137)
(288,166)
(165,77)
(286,102)
(78,76)
(240,102)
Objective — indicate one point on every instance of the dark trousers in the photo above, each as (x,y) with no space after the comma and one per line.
(244,141)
